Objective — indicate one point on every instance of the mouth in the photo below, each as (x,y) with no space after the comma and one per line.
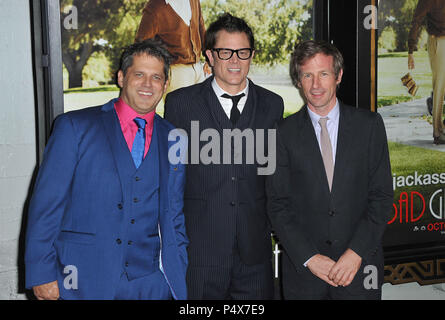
(317,94)
(234,69)
(145,93)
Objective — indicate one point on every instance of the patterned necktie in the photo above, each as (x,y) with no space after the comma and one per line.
(137,151)
(234,113)
(326,151)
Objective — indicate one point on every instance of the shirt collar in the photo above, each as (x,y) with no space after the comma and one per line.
(333,115)
(219,91)
(126,114)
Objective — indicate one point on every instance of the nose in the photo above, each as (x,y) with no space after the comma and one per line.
(147,81)
(316,82)
(234,58)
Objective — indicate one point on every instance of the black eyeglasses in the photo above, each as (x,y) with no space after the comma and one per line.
(226,54)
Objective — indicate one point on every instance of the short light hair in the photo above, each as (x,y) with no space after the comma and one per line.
(307,50)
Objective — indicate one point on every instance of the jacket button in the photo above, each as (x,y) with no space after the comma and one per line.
(137,178)
(331,213)
(135,200)
(118,241)
(328,242)
(126,264)
(130,242)
(120,206)
(232,203)
(132,221)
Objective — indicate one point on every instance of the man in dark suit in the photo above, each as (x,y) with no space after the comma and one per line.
(331,195)
(105,219)
(225,201)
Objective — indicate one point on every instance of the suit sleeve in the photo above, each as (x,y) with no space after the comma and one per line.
(422,9)
(202,28)
(48,203)
(282,215)
(170,110)
(369,233)
(177,205)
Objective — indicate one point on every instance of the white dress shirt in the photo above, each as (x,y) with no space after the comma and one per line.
(182,9)
(227,103)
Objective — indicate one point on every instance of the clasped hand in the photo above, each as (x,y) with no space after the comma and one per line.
(340,273)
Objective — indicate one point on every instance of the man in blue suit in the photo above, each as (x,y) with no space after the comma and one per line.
(105,219)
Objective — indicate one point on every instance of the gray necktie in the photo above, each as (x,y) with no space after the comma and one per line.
(326,151)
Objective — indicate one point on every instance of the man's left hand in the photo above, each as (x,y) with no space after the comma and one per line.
(345,269)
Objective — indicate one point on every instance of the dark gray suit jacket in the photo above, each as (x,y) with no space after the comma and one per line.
(308,218)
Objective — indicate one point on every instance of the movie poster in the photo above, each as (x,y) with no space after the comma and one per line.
(405,101)
(95,31)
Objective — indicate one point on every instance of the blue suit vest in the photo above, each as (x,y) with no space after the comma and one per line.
(140,233)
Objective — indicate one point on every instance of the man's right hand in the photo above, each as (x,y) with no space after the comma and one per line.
(410,61)
(320,266)
(47,291)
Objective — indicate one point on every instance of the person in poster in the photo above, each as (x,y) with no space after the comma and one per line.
(105,219)
(180,25)
(225,203)
(434,12)
(331,195)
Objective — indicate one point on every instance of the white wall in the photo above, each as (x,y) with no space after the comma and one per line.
(17,135)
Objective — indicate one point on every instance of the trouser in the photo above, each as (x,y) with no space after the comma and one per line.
(234,280)
(150,287)
(184,75)
(436,51)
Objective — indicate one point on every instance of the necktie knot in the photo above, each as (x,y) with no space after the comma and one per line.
(140,122)
(235,99)
(234,113)
(323,121)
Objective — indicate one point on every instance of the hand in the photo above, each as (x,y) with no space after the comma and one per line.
(410,61)
(320,266)
(47,291)
(344,271)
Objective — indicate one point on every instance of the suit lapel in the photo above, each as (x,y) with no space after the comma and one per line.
(311,147)
(119,149)
(162,140)
(343,142)
(215,108)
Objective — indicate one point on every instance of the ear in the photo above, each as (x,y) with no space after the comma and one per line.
(210,57)
(340,75)
(120,78)
(166,84)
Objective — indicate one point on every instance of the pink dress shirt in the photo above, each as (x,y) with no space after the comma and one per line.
(129,128)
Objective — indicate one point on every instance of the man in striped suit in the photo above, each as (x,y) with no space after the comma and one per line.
(225,201)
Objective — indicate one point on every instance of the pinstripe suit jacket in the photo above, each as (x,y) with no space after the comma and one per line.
(224,204)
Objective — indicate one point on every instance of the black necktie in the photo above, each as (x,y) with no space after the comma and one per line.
(234,113)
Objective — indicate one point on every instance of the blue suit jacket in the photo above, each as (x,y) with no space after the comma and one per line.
(75,208)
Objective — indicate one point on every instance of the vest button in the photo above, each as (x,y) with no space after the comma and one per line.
(126,263)
(135,200)
(132,221)
(120,206)
(118,241)
(232,203)
(137,179)
(130,242)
